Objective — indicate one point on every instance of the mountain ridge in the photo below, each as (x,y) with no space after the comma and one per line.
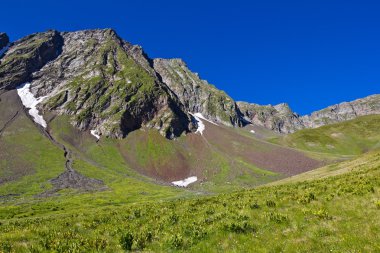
(281,118)
(87,74)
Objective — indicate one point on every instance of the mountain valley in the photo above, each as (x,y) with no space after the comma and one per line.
(105,149)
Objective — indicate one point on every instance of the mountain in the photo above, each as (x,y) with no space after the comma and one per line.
(280,118)
(197,95)
(111,88)
(106,84)
(91,89)
(343,111)
(4,40)
(351,137)
(105,149)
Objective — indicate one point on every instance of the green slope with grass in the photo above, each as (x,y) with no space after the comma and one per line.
(312,216)
(351,137)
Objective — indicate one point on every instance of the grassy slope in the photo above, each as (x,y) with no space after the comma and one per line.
(153,155)
(346,138)
(20,143)
(311,216)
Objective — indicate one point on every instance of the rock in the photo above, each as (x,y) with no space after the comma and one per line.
(108,85)
(198,96)
(28,55)
(4,40)
(279,118)
(282,119)
(343,111)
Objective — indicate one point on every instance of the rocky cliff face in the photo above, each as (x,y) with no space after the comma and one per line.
(4,40)
(343,111)
(279,118)
(28,55)
(197,95)
(282,119)
(103,82)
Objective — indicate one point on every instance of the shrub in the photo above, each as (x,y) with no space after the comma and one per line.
(6,246)
(99,244)
(173,219)
(276,217)
(137,213)
(270,203)
(176,241)
(142,239)
(322,214)
(377,204)
(254,205)
(307,198)
(126,241)
(195,233)
(240,228)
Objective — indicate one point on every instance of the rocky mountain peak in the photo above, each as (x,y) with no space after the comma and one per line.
(4,40)
(28,55)
(282,119)
(283,108)
(108,86)
(197,95)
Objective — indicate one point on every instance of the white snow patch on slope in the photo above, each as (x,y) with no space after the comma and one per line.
(2,51)
(29,101)
(95,133)
(185,182)
(253,131)
(201,126)
(199,115)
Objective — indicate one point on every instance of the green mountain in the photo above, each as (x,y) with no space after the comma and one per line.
(105,149)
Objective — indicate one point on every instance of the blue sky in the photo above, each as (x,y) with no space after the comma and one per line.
(310,54)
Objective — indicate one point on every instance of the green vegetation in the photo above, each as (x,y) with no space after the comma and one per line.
(352,137)
(313,216)
(19,146)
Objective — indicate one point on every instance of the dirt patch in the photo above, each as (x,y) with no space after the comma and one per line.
(72,179)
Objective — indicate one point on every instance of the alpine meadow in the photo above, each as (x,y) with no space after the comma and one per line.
(106,149)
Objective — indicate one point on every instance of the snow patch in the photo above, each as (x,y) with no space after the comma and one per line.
(95,133)
(201,126)
(199,115)
(253,131)
(30,101)
(185,182)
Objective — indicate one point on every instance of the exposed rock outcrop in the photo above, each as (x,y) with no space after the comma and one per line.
(106,84)
(4,40)
(279,118)
(197,95)
(282,119)
(28,55)
(343,111)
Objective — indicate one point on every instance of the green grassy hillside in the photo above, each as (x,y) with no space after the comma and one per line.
(351,137)
(138,209)
(312,216)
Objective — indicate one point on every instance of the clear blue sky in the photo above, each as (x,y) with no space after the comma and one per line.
(310,54)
